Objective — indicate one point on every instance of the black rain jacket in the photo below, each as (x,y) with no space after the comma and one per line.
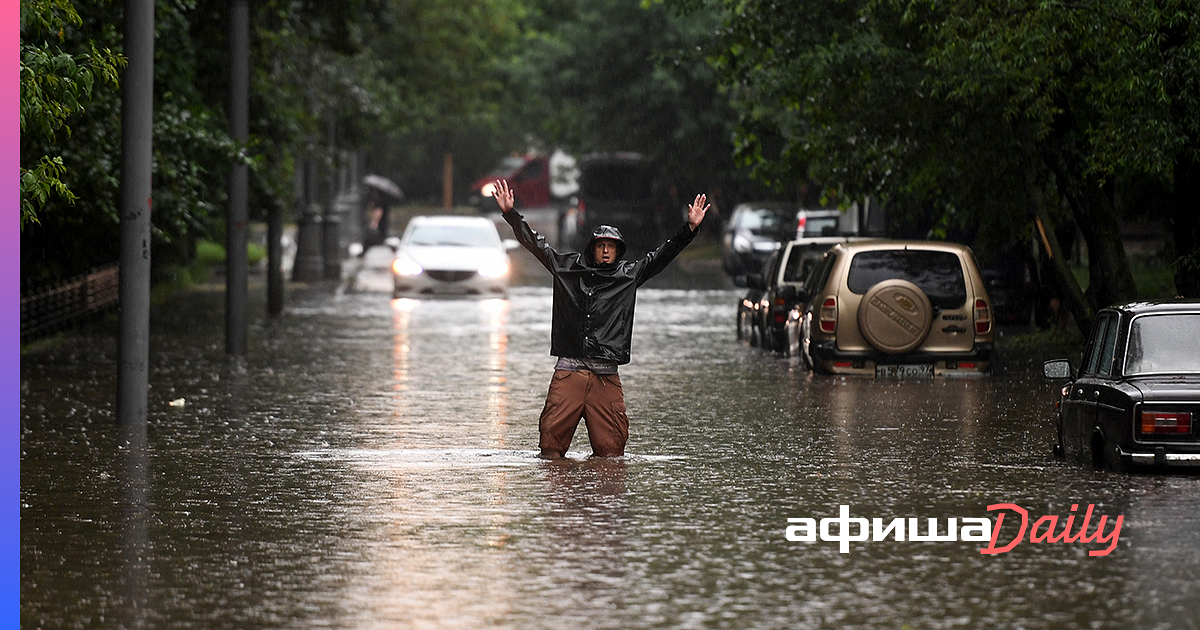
(593,304)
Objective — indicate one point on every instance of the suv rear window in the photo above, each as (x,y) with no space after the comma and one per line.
(938,274)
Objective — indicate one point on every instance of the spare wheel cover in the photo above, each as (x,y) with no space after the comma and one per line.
(895,316)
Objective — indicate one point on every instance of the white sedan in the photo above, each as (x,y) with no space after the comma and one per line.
(451,255)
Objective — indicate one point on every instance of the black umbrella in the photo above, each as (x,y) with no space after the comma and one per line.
(384,185)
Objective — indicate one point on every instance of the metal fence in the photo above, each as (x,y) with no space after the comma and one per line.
(55,308)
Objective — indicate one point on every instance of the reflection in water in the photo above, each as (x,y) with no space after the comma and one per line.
(135,540)
(586,541)
(496,311)
(375,468)
(402,310)
(460,352)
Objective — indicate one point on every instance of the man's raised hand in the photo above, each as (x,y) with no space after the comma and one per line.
(504,195)
(696,212)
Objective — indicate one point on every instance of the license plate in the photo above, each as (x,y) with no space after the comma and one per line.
(904,371)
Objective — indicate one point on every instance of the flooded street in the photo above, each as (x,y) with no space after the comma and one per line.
(373,467)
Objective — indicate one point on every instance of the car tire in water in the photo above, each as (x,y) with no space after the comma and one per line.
(1104,453)
(895,316)
(805,349)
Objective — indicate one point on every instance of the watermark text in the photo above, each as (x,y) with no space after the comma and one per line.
(845,529)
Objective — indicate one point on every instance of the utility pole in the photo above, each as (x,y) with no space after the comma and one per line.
(274,261)
(137,142)
(331,253)
(133,344)
(448,180)
(236,264)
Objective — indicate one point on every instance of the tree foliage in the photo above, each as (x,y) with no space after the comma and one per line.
(971,118)
(55,86)
(616,75)
(1107,93)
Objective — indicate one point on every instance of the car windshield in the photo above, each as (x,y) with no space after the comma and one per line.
(774,223)
(938,274)
(1163,343)
(452,236)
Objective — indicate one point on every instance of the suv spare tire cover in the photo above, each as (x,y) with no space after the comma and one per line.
(895,316)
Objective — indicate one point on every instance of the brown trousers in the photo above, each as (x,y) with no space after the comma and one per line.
(599,400)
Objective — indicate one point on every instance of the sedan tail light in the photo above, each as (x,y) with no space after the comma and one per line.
(983,317)
(828,315)
(780,314)
(1166,422)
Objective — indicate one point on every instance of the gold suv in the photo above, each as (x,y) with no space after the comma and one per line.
(894,309)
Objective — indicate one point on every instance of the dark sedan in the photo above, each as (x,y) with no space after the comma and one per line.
(754,232)
(1136,398)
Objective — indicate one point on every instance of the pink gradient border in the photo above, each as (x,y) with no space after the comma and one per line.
(10,318)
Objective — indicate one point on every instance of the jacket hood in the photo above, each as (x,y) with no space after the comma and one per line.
(604,231)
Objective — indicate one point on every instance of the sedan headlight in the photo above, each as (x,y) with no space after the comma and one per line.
(406,267)
(494,269)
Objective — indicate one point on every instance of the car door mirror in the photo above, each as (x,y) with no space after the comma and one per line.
(1058,369)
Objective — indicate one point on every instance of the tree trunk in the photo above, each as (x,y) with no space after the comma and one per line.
(1110,280)
(1186,217)
(1035,197)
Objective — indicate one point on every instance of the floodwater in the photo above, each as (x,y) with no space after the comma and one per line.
(372,466)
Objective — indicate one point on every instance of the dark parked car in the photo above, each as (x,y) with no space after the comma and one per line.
(748,305)
(1136,398)
(774,291)
(1012,283)
(754,232)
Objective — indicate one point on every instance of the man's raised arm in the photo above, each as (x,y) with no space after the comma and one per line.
(530,240)
(696,211)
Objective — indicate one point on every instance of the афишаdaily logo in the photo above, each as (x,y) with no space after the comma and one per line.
(845,530)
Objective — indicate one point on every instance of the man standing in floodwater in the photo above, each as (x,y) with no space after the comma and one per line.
(592,327)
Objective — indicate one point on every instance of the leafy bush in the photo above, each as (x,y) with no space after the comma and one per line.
(211,253)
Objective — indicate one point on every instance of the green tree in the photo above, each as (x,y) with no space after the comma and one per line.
(55,86)
(615,75)
(192,148)
(968,117)
(446,92)
(1099,93)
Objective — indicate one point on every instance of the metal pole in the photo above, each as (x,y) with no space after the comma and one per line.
(448,181)
(137,142)
(236,264)
(274,261)
(330,228)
